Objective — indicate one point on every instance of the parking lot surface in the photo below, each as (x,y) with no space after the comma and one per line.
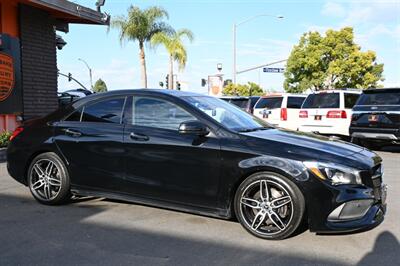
(95,231)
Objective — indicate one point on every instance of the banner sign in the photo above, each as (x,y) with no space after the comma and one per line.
(215,85)
(10,75)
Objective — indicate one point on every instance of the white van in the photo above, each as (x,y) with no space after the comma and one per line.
(281,110)
(328,112)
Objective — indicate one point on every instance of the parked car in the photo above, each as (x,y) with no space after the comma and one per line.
(376,118)
(69,96)
(245,103)
(328,112)
(281,110)
(199,154)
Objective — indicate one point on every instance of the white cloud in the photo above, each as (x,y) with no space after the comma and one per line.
(333,9)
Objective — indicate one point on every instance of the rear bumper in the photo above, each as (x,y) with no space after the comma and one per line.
(375,133)
(325,129)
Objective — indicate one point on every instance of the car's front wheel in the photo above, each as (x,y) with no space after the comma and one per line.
(48,179)
(269,205)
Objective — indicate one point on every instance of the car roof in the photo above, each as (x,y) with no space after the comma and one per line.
(337,91)
(284,94)
(383,90)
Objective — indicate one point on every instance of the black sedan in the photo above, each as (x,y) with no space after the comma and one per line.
(198,154)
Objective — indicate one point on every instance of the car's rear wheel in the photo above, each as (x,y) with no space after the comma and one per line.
(269,205)
(48,179)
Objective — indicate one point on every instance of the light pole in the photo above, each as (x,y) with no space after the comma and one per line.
(90,72)
(235,25)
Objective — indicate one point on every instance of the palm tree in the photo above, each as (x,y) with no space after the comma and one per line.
(141,26)
(173,42)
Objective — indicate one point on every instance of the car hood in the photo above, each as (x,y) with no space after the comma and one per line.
(301,143)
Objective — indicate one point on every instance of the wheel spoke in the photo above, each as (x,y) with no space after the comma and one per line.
(258,220)
(54,182)
(49,168)
(252,203)
(38,184)
(274,217)
(264,193)
(47,191)
(279,202)
(39,171)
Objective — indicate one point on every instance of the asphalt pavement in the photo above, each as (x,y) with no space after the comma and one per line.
(93,231)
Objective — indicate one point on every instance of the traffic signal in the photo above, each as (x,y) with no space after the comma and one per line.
(69,76)
(166,82)
(203,82)
(161,84)
(178,85)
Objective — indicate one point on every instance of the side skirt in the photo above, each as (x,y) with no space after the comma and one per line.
(217,213)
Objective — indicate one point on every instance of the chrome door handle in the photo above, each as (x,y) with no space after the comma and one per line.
(73,133)
(138,137)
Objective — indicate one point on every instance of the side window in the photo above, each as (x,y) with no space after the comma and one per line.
(108,111)
(158,113)
(350,100)
(75,116)
(295,102)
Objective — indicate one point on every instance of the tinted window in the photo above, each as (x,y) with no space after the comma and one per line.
(322,100)
(108,111)
(380,98)
(75,116)
(151,112)
(253,101)
(269,103)
(350,100)
(242,103)
(295,102)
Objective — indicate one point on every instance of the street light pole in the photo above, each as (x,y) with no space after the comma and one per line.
(90,72)
(235,25)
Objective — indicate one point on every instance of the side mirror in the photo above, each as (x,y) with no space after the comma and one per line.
(193,127)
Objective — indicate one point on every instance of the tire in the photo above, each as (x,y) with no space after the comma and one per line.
(48,179)
(274,218)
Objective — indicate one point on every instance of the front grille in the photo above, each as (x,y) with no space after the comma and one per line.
(373,179)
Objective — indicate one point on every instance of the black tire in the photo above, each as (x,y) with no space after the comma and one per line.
(277,222)
(52,186)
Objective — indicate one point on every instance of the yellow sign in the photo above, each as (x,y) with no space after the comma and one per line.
(6,76)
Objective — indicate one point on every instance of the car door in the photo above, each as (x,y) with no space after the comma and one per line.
(91,141)
(163,164)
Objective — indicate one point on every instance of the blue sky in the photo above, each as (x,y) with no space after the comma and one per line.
(262,40)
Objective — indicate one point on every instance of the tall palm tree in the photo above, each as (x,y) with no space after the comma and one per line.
(141,26)
(173,42)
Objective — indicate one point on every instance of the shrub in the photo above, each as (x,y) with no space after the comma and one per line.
(4,138)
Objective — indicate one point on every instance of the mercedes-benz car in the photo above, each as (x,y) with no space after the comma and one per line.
(198,154)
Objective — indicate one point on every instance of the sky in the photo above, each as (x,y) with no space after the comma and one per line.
(259,41)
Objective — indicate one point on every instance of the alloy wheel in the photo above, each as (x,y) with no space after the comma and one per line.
(266,206)
(45,179)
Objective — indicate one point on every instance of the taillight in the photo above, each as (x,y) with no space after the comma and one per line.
(16,133)
(337,114)
(283,114)
(303,114)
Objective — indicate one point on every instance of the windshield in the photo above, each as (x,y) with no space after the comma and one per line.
(379,98)
(322,100)
(226,114)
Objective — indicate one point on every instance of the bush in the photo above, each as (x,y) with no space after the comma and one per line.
(5,138)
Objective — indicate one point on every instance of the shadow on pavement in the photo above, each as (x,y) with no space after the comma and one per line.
(391,148)
(34,234)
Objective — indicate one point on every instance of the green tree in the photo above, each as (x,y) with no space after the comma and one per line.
(173,43)
(249,89)
(141,26)
(332,61)
(99,86)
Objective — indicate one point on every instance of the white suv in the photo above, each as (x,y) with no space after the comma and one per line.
(280,110)
(328,112)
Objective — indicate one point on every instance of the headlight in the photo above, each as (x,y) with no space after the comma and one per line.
(335,173)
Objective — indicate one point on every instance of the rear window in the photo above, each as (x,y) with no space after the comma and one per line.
(350,100)
(270,103)
(322,100)
(242,103)
(380,98)
(253,101)
(295,102)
